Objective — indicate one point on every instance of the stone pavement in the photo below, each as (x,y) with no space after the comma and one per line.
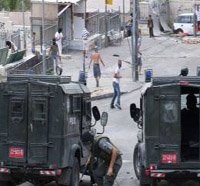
(72,67)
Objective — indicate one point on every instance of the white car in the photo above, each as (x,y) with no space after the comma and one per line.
(185,22)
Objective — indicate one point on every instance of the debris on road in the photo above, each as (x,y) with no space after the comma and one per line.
(191,40)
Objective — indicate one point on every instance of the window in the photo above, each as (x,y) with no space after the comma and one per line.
(39,111)
(17,108)
(76,104)
(185,19)
(169,112)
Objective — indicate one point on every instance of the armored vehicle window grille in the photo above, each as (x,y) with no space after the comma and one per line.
(39,111)
(87,109)
(76,104)
(17,108)
(169,113)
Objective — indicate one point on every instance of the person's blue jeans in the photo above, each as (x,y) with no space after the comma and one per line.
(116,93)
(55,62)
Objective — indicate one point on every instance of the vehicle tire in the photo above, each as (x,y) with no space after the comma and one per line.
(142,177)
(136,161)
(75,175)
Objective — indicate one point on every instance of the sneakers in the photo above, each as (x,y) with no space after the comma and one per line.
(118,106)
(112,106)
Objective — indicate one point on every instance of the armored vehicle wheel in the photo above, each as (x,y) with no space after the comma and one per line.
(75,176)
(136,162)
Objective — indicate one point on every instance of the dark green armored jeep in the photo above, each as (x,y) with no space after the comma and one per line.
(168,145)
(42,119)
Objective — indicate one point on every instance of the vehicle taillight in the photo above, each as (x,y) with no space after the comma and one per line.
(4,170)
(59,172)
(169,158)
(152,167)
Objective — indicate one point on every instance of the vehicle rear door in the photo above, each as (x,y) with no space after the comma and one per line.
(38,125)
(169,139)
(15,140)
(25,141)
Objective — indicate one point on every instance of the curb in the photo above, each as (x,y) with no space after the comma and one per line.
(109,95)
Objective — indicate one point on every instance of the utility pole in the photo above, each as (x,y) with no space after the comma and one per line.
(43,40)
(134,39)
(106,24)
(124,14)
(84,49)
(24,34)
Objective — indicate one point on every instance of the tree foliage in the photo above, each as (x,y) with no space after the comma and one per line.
(14,5)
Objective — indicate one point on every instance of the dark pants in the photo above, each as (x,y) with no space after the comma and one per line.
(100,172)
(151,32)
(198,23)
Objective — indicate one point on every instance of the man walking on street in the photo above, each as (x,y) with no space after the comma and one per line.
(96,59)
(59,39)
(116,80)
(108,159)
(150,26)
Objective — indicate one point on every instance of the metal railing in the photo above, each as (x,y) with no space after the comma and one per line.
(95,23)
(33,66)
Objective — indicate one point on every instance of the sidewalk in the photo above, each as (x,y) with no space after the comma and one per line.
(71,67)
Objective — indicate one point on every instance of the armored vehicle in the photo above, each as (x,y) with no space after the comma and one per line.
(168,145)
(42,119)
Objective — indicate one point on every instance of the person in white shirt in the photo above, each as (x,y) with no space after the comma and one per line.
(198,17)
(116,80)
(85,36)
(59,38)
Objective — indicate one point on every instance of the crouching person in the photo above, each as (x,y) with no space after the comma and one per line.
(107,156)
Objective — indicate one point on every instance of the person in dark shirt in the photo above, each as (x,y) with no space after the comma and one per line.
(150,26)
(54,53)
(190,127)
(108,157)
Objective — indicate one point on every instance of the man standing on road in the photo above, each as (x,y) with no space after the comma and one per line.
(116,80)
(59,38)
(85,36)
(198,17)
(109,160)
(150,26)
